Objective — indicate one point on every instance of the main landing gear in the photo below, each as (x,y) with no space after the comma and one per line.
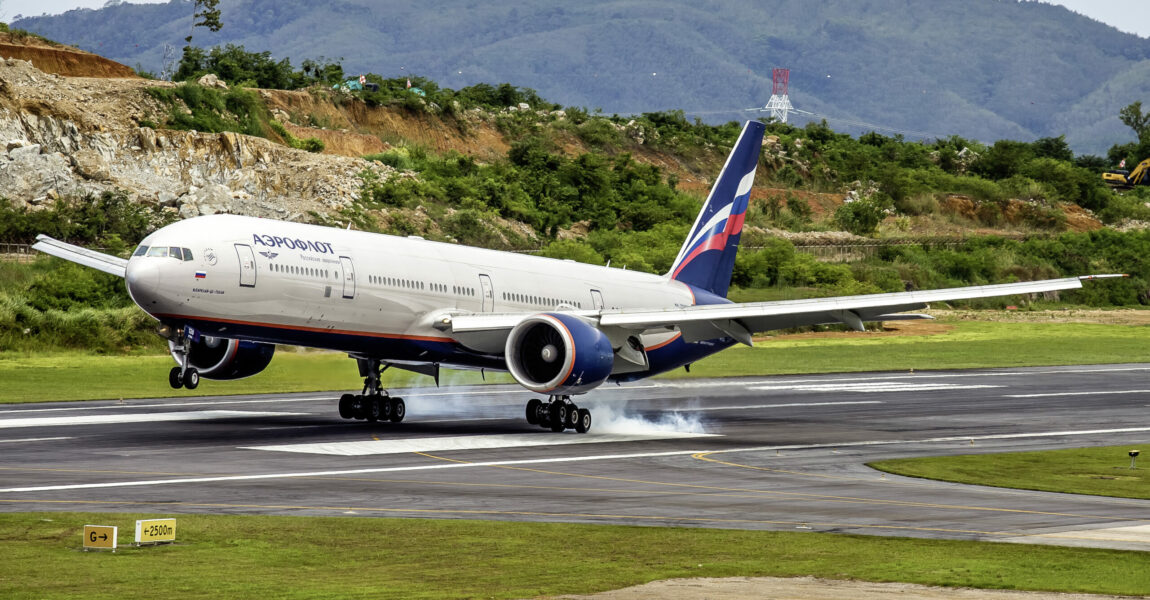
(557,414)
(183,375)
(374,404)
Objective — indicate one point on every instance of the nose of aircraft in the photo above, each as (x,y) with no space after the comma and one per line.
(143,280)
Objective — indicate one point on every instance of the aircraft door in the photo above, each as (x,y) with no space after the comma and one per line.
(247,265)
(348,277)
(488,293)
(597,299)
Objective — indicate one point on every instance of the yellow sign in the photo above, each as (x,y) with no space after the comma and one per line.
(99,536)
(153,531)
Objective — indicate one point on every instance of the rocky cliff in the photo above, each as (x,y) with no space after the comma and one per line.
(69,136)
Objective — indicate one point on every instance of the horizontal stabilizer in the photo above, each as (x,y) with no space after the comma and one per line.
(89,258)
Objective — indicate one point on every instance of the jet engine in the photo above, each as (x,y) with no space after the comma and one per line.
(558,354)
(223,358)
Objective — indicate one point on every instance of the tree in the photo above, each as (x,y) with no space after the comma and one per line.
(1133,118)
(208,13)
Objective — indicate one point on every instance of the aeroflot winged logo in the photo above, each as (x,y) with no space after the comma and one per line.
(275,241)
(723,225)
(269,255)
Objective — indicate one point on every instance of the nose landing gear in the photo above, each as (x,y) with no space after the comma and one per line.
(557,414)
(183,375)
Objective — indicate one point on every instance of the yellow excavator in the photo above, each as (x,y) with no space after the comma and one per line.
(1122,179)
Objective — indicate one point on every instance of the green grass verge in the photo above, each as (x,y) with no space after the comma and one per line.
(1095,471)
(971,344)
(298,557)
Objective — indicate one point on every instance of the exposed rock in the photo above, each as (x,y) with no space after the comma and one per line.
(210,80)
(82,136)
(22,151)
(90,164)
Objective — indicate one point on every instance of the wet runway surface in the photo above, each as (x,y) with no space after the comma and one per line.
(778,453)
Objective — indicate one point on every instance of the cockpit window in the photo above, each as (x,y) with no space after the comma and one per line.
(158,251)
(187,254)
(140,250)
(176,253)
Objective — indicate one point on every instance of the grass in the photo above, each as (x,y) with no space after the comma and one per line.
(332,557)
(971,344)
(1095,471)
(72,376)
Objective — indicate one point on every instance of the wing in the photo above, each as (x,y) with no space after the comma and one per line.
(89,258)
(739,321)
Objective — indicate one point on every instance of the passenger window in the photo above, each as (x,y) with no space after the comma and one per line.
(158,251)
(140,251)
(187,254)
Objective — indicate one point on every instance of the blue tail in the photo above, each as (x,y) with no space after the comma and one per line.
(708,256)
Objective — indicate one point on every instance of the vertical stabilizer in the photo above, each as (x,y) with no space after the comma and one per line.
(708,256)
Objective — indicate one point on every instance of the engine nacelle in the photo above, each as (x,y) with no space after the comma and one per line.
(223,358)
(558,354)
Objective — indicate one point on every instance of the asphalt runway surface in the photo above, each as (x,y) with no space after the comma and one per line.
(775,453)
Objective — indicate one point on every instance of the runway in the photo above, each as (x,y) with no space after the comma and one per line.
(774,453)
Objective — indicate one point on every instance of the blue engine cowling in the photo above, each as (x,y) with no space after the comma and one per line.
(558,354)
(223,358)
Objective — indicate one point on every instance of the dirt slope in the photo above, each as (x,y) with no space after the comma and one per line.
(60,59)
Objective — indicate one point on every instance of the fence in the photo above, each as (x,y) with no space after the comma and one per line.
(17,252)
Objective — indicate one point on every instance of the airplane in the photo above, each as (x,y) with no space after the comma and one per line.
(227,288)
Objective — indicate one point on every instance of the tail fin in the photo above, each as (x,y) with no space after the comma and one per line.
(708,256)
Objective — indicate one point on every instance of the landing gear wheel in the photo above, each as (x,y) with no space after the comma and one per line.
(373,409)
(533,406)
(191,379)
(358,408)
(572,416)
(583,425)
(386,407)
(174,378)
(345,411)
(398,410)
(558,416)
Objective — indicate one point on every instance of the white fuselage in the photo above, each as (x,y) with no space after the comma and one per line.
(290,283)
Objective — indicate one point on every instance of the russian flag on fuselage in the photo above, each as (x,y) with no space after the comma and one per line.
(708,256)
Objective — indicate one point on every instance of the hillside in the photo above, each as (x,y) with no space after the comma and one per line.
(982,69)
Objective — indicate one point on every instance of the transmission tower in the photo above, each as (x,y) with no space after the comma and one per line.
(780,103)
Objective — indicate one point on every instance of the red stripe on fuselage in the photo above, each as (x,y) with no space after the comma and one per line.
(394,336)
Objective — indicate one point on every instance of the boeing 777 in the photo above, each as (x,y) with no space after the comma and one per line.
(227,288)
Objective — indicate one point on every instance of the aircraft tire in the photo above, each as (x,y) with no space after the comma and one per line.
(533,411)
(372,409)
(572,416)
(398,410)
(558,415)
(191,379)
(386,408)
(174,378)
(345,406)
(583,425)
(358,410)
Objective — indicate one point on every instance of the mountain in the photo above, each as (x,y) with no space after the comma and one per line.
(983,69)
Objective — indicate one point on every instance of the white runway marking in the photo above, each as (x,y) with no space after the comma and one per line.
(200,415)
(434,467)
(565,459)
(1093,393)
(51,439)
(956,438)
(787,405)
(466,442)
(869,387)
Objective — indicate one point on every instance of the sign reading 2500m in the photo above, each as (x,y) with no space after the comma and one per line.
(276,241)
